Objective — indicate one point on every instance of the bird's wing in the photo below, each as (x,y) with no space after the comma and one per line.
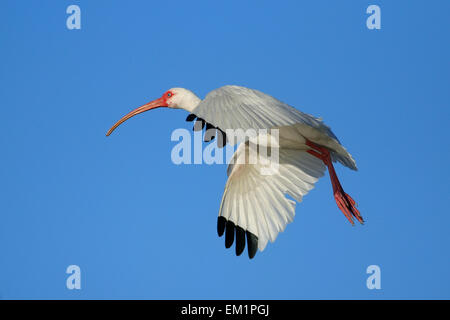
(254,207)
(234,107)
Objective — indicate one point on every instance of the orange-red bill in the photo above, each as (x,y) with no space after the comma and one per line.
(149,106)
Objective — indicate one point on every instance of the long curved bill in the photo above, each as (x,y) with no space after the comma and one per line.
(158,103)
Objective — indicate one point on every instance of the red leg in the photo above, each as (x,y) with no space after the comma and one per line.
(345,203)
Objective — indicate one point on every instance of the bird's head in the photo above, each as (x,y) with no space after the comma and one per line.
(175,98)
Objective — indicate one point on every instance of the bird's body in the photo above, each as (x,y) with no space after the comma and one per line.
(254,206)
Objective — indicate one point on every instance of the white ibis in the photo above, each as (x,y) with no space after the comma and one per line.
(254,207)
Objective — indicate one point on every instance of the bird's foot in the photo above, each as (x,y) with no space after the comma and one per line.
(348,206)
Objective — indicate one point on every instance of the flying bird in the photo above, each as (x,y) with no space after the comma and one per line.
(255,207)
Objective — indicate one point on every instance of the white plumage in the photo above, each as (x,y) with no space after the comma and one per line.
(258,203)
(256,206)
(234,107)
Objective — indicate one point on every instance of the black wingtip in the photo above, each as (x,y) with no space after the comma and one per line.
(221,138)
(191,117)
(240,240)
(209,135)
(210,132)
(233,231)
(199,124)
(229,234)
(252,244)
(221,221)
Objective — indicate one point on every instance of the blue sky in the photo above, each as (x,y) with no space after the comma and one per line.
(141,227)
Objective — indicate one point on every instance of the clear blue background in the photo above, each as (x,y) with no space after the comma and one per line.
(140,226)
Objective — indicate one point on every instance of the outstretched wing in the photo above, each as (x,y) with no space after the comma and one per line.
(234,107)
(254,207)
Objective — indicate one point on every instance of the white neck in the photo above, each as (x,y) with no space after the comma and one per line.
(184,99)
